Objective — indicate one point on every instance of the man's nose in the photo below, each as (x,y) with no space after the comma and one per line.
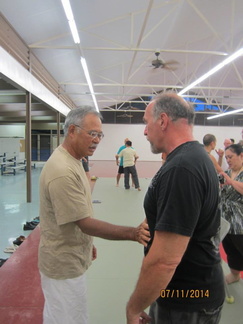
(96,140)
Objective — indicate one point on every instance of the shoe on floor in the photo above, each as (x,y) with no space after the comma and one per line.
(28,227)
(10,249)
(32,223)
(19,240)
(2,261)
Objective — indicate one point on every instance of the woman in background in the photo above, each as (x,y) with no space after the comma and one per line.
(232,210)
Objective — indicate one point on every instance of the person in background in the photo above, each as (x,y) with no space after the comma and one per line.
(181,275)
(209,142)
(120,162)
(129,160)
(67,225)
(232,210)
(228,142)
(221,160)
(85,163)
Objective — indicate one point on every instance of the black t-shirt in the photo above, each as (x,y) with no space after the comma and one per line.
(183,198)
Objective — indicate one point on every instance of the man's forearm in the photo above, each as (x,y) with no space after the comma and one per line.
(153,278)
(220,160)
(157,270)
(98,228)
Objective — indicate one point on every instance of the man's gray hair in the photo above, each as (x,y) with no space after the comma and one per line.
(77,115)
(174,106)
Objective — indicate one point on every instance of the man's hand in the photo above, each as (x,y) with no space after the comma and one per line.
(220,152)
(142,234)
(141,318)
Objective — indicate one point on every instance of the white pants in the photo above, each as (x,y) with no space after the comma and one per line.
(65,300)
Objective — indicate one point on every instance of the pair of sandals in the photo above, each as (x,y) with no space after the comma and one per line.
(11,249)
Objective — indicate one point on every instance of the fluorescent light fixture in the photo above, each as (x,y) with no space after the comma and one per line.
(68,10)
(86,72)
(213,70)
(71,21)
(74,31)
(226,114)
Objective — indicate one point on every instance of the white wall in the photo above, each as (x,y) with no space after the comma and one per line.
(10,146)
(12,131)
(115,135)
(10,140)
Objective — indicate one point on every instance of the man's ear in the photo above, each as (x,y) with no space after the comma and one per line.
(71,130)
(163,121)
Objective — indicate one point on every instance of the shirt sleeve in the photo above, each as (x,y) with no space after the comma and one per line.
(120,149)
(179,200)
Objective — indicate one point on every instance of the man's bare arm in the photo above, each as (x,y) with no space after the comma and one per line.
(157,270)
(98,228)
(215,163)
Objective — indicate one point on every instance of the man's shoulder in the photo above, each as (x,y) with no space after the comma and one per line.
(130,150)
(121,148)
(61,164)
(189,156)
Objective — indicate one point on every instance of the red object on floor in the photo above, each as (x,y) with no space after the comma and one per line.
(21,298)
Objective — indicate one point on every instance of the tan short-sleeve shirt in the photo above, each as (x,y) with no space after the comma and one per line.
(65,197)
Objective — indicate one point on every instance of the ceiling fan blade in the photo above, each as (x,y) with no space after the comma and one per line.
(170,68)
(124,115)
(130,108)
(134,108)
(171,62)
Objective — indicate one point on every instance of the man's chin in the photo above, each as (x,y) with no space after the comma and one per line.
(154,149)
(91,151)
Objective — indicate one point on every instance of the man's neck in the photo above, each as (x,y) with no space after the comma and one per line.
(69,149)
(179,136)
(208,149)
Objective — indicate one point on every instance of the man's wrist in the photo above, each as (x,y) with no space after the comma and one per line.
(135,236)
(129,311)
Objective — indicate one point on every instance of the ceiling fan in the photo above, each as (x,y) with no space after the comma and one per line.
(168,65)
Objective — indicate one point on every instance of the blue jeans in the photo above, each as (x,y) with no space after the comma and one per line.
(165,315)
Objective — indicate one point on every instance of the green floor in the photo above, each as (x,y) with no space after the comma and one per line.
(113,275)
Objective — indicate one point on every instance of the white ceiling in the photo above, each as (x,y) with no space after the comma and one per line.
(119,39)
